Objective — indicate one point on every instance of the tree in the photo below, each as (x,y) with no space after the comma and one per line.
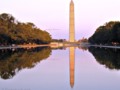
(106,34)
(20,33)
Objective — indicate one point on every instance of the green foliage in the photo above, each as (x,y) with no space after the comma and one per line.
(110,58)
(12,62)
(106,34)
(14,32)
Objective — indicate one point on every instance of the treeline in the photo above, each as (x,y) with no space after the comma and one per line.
(107,34)
(83,40)
(11,62)
(15,32)
(110,58)
(58,40)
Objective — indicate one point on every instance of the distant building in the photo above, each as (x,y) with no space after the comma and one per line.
(56,44)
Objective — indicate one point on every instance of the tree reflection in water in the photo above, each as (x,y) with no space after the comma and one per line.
(12,62)
(108,57)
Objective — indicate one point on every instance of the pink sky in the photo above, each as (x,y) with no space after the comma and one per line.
(53,15)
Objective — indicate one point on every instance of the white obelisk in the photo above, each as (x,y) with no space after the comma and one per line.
(71,23)
(71,39)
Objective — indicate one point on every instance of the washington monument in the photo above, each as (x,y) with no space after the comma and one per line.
(71,23)
(71,39)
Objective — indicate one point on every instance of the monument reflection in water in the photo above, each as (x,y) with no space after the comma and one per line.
(72,65)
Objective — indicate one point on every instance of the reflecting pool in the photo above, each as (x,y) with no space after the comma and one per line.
(71,68)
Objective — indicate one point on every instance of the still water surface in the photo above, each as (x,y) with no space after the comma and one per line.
(49,69)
